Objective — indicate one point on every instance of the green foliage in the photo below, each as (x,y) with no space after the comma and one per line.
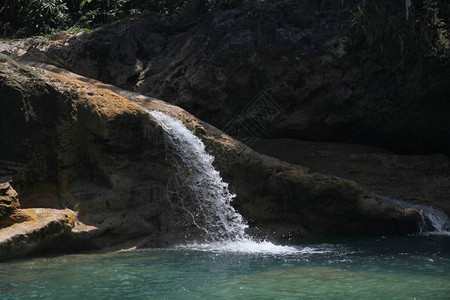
(403,38)
(45,15)
(12,15)
(416,46)
(96,12)
(31,17)
(26,17)
(437,34)
(113,10)
(83,3)
(76,29)
(166,7)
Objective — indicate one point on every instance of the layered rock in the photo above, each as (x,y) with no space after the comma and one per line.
(89,150)
(290,200)
(275,195)
(35,230)
(93,148)
(324,82)
(416,179)
(8,200)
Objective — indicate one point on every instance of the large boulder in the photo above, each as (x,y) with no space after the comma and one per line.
(93,147)
(35,230)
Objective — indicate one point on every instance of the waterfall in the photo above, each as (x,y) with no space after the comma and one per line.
(211,210)
(434,219)
(218,219)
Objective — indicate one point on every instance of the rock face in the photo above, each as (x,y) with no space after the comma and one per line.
(291,200)
(320,81)
(93,148)
(416,179)
(89,150)
(8,200)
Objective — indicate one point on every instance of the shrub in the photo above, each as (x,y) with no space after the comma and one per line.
(401,34)
(20,18)
(43,16)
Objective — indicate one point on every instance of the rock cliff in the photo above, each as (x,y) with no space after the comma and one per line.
(342,71)
(91,147)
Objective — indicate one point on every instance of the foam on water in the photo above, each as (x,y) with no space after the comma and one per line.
(211,208)
(244,245)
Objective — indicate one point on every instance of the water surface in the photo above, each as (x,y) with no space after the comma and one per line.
(415,267)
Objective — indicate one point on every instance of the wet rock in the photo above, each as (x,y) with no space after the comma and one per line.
(87,149)
(291,200)
(93,148)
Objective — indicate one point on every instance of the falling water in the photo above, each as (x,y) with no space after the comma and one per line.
(434,218)
(209,191)
(224,228)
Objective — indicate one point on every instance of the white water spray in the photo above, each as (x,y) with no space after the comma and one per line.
(223,226)
(438,220)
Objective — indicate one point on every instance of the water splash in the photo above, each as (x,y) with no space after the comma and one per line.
(212,212)
(245,245)
(434,222)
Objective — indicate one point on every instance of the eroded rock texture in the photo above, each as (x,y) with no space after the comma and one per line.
(418,179)
(328,82)
(8,200)
(36,230)
(92,151)
(92,147)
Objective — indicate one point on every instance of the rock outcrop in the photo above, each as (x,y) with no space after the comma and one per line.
(35,230)
(320,80)
(8,200)
(88,150)
(93,148)
(416,179)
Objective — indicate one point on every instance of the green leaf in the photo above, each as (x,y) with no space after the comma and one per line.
(83,3)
